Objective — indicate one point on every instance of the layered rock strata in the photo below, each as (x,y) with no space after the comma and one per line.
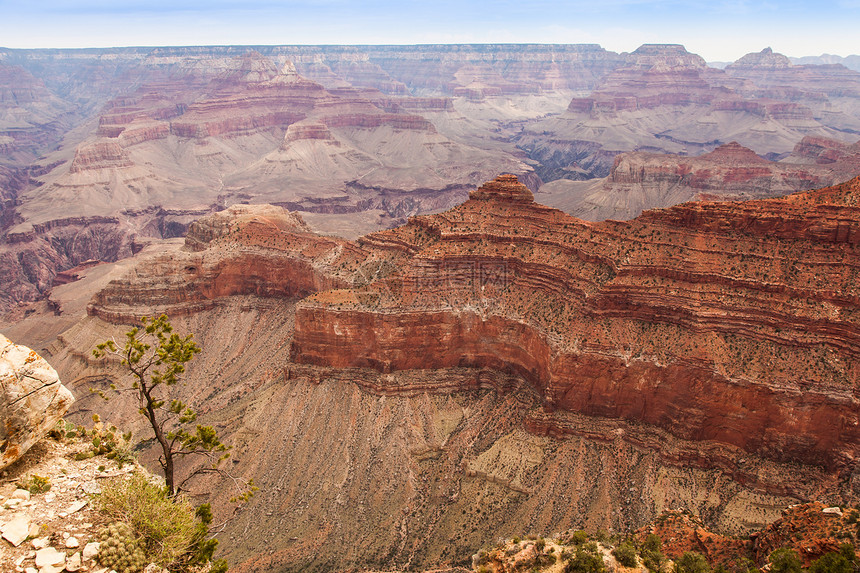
(640,180)
(247,249)
(727,323)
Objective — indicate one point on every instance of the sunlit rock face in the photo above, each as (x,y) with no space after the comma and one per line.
(32,399)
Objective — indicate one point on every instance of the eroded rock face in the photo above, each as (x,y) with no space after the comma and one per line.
(246,249)
(639,181)
(730,323)
(32,399)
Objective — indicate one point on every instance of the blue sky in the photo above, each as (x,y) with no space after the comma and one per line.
(715,29)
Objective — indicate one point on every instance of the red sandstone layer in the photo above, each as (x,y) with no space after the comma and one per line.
(734,323)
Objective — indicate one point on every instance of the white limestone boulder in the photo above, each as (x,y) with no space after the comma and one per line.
(32,399)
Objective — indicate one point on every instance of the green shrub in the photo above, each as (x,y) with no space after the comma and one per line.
(842,562)
(169,531)
(785,560)
(625,554)
(692,562)
(35,483)
(652,543)
(586,560)
(578,537)
(652,554)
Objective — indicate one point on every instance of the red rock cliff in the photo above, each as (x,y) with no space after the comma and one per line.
(732,323)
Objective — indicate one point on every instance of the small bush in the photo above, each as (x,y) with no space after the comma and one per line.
(652,543)
(692,562)
(785,560)
(842,562)
(106,442)
(578,537)
(586,560)
(652,554)
(35,483)
(625,554)
(169,532)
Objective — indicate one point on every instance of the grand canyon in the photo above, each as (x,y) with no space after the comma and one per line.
(451,294)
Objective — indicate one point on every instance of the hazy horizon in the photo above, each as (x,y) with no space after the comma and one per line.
(723,30)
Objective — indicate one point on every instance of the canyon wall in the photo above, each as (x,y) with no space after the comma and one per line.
(733,323)
(503,367)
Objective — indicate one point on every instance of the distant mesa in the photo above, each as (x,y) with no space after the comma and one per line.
(764,59)
(665,55)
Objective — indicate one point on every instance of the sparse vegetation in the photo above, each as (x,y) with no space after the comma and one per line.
(625,554)
(35,483)
(149,526)
(785,560)
(652,554)
(155,356)
(842,562)
(692,562)
(107,442)
(586,560)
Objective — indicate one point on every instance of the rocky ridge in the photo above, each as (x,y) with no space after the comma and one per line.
(567,305)
(505,284)
(639,181)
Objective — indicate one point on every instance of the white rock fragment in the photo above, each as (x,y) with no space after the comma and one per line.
(91,550)
(50,497)
(832,510)
(16,531)
(74,562)
(91,487)
(77,506)
(72,542)
(31,570)
(34,530)
(21,494)
(52,569)
(39,543)
(50,556)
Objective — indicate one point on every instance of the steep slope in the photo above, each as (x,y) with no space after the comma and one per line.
(498,358)
(32,118)
(737,320)
(437,428)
